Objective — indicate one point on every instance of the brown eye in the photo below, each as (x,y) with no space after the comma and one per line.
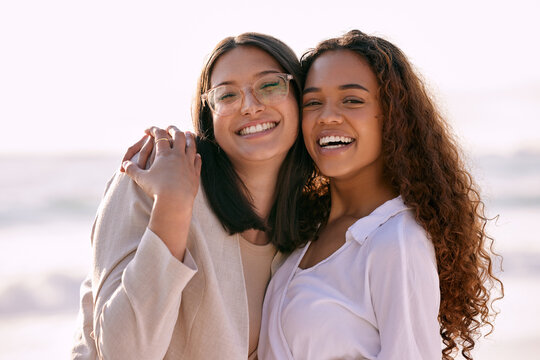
(311,103)
(353,101)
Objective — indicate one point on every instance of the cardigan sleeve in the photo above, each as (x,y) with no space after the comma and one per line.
(84,347)
(136,282)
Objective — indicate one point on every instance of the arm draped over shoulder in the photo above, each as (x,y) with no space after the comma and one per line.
(130,301)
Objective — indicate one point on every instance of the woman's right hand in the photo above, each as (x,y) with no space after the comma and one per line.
(172,181)
(175,169)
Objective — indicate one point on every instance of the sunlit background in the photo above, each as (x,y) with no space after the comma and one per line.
(81,80)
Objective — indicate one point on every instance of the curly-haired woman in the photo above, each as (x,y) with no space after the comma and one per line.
(403,260)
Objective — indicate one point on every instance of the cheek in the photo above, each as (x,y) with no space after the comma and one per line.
(293,121)
(291,118)
(219,129)
(292,112)
(375,136)
(307,126)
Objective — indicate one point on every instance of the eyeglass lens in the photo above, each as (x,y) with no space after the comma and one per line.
(268,89)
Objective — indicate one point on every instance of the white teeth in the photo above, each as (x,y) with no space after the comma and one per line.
(257,128)
(324,141)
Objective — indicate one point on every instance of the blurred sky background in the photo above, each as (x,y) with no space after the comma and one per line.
(81,80)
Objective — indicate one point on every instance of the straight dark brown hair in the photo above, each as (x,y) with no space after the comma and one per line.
(227,194)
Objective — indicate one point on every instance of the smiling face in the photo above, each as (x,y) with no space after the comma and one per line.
(255,132)
(341,121)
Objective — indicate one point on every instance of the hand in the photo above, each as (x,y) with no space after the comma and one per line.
(144,147)
(172,181)
(176,169)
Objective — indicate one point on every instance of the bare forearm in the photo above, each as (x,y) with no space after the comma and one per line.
(170,221)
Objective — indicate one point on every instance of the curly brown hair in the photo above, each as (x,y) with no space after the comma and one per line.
(424,165)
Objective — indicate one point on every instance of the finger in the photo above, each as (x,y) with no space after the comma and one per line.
(172,127)
(131,170)
(133,149)
(155,131)
(145,152)
(161,139)
(152,158)
(198,164)
(191,146)
(148,131)
(179,139)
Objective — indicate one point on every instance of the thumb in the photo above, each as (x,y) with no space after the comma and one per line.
(131,170)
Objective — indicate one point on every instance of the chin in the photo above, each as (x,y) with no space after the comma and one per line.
(260,155)
(332,171)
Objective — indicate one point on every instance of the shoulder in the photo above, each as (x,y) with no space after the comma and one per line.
(400,249)
(400,235)
(123,193)
(201,207)
(400,228)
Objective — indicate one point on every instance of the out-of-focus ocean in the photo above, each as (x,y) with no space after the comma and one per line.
(47,206)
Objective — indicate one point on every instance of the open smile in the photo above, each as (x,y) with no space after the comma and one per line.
(334,142)
(256,129)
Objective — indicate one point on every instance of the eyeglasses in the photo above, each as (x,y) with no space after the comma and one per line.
(227,99)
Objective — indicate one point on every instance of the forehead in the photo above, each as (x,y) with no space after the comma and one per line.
(339,67)
(242,64)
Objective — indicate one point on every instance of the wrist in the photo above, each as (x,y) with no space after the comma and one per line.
(171,206)
(170,220)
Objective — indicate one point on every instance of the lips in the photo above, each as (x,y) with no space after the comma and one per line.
(257,128)
(334,141)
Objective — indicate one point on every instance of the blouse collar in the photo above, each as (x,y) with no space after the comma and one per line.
(363,227)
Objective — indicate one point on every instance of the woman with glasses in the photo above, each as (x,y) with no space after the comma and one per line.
(180,270)
(401,267)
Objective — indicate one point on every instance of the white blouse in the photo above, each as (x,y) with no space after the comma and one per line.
(376,297)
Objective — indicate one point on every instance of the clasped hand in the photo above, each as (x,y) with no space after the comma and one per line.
(175,170)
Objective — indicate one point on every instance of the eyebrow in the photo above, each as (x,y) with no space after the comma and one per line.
(341,87)
(259,74)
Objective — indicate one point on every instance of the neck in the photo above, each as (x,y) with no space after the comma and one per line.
(260,180)
(360,195)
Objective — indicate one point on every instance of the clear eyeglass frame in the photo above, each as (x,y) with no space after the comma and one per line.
(234,95)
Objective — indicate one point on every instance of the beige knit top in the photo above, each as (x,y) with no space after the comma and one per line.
(256,260)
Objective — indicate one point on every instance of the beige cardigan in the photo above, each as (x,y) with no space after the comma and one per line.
(140,302)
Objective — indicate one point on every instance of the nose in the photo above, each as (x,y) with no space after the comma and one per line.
(250,104)
(330,115)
